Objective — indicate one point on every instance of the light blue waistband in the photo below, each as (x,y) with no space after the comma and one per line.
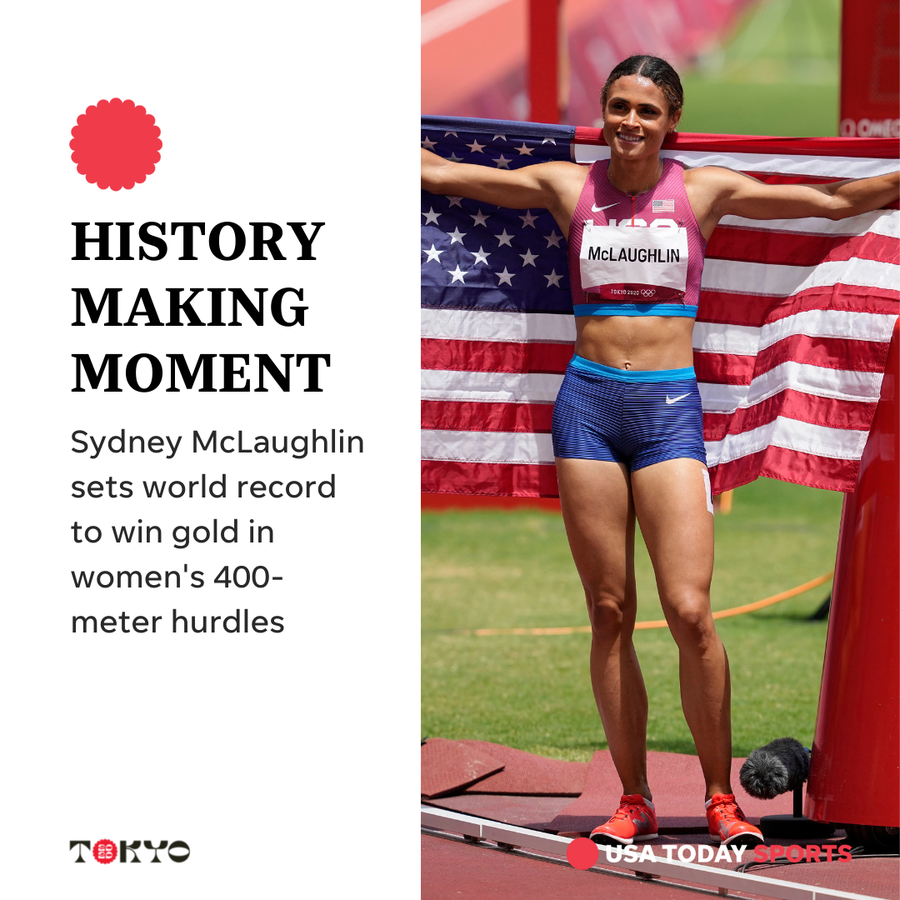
(634,309)
(587,365)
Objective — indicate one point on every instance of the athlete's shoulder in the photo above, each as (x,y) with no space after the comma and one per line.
(703,175)
(565,181)
(710,185)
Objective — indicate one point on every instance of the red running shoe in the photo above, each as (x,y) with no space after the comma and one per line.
(727,824)
(634,820)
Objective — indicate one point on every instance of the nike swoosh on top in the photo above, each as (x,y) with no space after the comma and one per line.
(676,399)
(601,208)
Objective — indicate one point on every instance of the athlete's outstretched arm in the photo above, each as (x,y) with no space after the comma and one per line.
(723,192)
(551,185)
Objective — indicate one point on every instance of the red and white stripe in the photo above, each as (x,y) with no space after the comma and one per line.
(790,343)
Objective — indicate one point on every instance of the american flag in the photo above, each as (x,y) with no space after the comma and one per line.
(790,345)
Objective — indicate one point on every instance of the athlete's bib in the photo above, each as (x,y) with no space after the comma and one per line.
(634,264)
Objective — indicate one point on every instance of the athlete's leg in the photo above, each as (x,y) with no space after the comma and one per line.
(599,518)
(671,502)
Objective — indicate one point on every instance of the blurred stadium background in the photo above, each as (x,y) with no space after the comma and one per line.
(736,58)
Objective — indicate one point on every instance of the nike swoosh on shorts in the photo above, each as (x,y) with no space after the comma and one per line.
(671,400)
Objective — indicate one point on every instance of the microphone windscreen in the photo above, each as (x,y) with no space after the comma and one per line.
(780,766)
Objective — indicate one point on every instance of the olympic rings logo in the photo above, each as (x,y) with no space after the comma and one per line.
(645,292)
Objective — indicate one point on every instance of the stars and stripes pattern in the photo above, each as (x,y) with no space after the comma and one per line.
(790,343)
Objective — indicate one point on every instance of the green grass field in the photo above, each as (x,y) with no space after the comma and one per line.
(502,570)
(777,75)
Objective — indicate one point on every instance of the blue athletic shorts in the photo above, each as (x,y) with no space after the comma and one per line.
(624,416)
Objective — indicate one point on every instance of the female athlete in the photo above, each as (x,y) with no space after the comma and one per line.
(627,424)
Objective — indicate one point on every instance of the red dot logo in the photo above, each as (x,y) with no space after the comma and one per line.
(115,144)
(582,853)
(105,851)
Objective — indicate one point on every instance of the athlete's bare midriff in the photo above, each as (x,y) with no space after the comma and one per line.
(643,344)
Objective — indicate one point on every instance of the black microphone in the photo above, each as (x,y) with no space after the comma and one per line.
(780,766)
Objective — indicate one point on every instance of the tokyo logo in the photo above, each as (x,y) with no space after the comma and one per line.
(106,851)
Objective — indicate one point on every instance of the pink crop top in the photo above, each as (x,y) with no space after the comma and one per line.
(638,255)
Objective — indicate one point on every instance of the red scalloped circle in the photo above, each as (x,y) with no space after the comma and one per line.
(116,144)
(105,851)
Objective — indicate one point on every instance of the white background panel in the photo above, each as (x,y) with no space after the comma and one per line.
(245,746)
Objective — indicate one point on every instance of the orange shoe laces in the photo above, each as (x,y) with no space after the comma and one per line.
(728,810)
(630,811)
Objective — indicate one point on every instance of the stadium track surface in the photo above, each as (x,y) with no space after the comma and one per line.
(533,792)
(453,869)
